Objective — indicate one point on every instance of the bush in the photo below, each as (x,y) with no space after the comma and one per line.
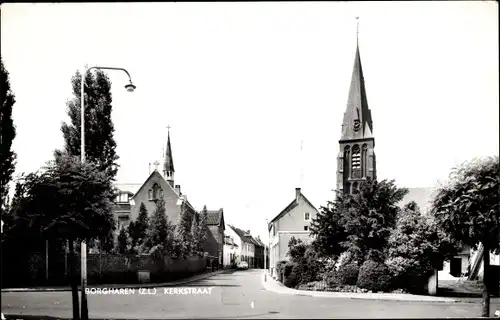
(280,268)
(348,274)
(374,276)
(292,275)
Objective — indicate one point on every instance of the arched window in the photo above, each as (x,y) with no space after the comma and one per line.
(364,161)
(356,162)
(155,192)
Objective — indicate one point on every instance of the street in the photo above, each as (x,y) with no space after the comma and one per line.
(236,294)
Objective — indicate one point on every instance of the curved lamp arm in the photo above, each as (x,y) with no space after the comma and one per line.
(130,87)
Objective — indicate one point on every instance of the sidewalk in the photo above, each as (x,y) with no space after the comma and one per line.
(275,286)
(121,286)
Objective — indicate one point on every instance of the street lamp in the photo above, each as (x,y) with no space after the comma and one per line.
(130,88)
(267,252)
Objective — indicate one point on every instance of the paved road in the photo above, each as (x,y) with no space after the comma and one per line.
(237,294)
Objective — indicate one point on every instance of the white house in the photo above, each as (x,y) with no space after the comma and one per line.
(293,221)
(231,251)
(245,244)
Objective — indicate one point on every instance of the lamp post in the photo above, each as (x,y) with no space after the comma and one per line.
(130,88)
(267,252)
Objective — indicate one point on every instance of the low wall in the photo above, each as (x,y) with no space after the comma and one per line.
(103,269)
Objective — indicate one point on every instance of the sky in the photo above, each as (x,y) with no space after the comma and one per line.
(244,85)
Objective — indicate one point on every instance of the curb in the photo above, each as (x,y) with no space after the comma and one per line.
(280,289)
(120,286)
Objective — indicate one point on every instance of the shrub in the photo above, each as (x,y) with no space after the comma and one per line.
(292,275)
(374,276)
(348,274)
(280,268)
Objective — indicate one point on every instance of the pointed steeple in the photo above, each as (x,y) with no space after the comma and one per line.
(168,165)
(356,160)
(357,122)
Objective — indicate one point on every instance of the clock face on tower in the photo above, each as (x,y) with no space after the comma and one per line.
(357,122)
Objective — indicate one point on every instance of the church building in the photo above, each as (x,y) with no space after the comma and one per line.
(130,196)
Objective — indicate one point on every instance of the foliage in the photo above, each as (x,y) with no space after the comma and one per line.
(374,276)
(159,231)
(368,218)
(328,230)
(123,241)
(292,274)
(100,146)
(202,228)
(183,237)
(468,209)
(138,229)
(306,260)
(280,267)
(67,200)
(195,235)
(415,248)
(359,223)
(7,135)
(348,274)
(296,249)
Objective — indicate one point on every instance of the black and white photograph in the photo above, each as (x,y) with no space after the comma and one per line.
(250,160)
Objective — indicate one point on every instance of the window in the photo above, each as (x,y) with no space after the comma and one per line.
(356,162)
(124,197)
(307,216)
(306,228)
(155,192)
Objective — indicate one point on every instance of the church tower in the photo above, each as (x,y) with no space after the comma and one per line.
(356,159)
(168,165)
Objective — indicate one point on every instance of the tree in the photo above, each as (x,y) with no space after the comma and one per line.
(160,229)
(416,248)
(368,218)
(7,135)
(182,237)
(359,223)
(68,200)
(100,146)
(122,245)
(139,227)
(468,209)
(328,231)
(195,235)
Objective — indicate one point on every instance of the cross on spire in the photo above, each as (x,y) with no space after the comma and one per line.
(168,128)
(156,163)
(357,29)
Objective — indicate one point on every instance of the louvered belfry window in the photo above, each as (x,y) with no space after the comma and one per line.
(356,162)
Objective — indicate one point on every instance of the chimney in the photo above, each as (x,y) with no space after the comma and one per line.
(178,190)
(297,194)
(150,168)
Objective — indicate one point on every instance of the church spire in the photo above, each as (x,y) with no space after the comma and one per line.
(357,122)
(356,160)
(168,165)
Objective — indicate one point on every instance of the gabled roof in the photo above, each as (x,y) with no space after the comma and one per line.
(154,173)
(242,234)
(215,217)
(290,207)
